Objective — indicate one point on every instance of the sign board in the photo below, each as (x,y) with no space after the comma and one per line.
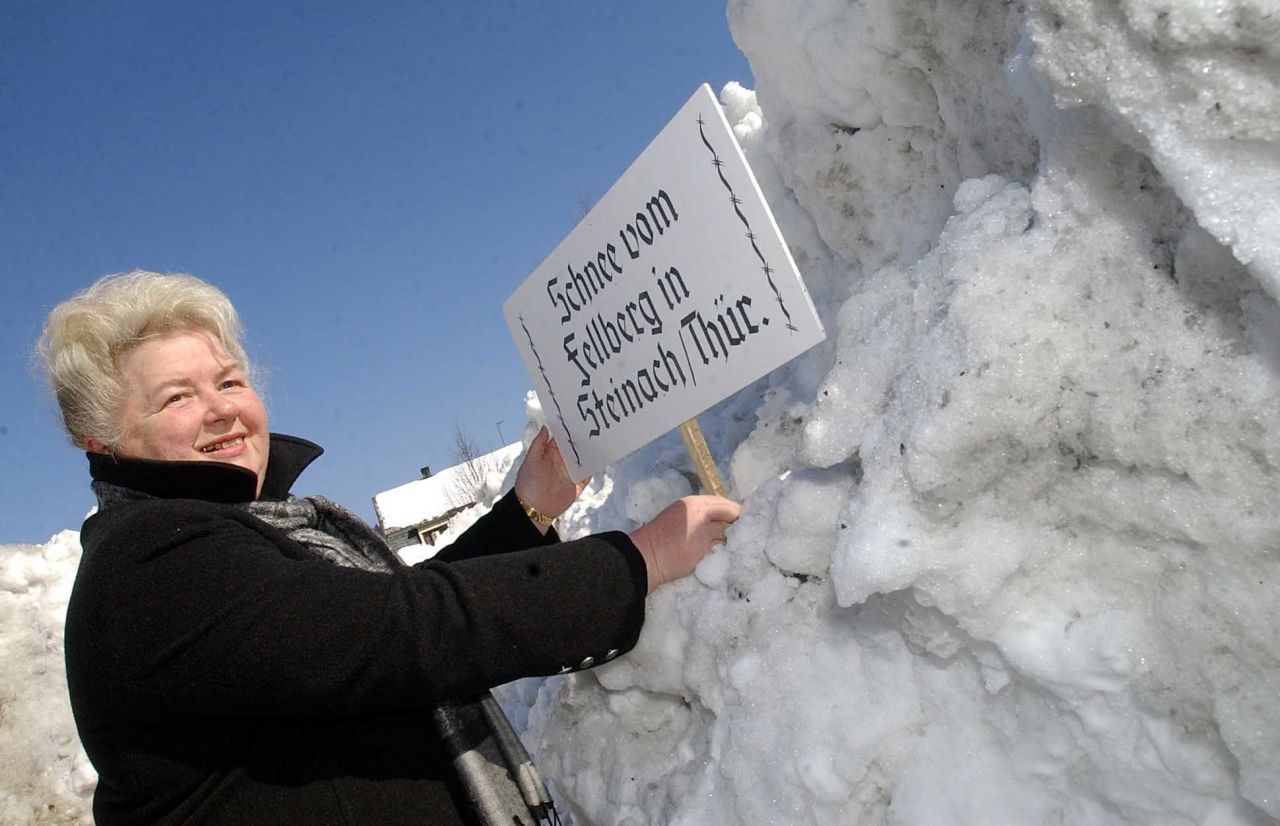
(674,292)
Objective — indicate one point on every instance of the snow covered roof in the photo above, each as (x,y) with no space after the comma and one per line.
(452,488)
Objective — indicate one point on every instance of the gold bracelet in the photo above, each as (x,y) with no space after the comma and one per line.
(538,517)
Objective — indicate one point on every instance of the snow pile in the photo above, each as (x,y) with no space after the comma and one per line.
(45,776)
(1010,550)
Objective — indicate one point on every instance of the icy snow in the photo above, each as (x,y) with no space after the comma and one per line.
(1010,550)
(45,776)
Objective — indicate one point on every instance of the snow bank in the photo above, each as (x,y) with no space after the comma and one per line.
(1010,544)
(45,776)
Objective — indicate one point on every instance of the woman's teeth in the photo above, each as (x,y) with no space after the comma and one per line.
(221,445)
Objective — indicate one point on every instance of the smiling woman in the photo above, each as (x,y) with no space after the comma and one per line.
(187,399)
(236,654)
(84,339)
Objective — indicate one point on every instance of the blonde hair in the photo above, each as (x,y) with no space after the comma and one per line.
(85,336)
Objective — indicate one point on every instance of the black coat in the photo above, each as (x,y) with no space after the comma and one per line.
(219,674)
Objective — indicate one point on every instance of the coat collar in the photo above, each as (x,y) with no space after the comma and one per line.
(287,457)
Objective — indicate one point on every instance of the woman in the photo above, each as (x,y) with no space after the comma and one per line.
(239,655)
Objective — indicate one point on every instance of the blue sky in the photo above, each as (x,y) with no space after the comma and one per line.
(368,182)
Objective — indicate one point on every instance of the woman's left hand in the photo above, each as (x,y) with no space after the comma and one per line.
(543,482)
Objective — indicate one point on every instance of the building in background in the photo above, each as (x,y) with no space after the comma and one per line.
(417,512)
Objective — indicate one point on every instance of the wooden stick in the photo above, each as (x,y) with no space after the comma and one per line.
(708,473)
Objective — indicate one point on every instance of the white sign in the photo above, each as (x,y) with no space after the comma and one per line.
(674,292)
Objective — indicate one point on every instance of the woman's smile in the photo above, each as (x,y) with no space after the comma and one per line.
(189,400)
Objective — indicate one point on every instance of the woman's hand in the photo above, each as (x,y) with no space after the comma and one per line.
(542,482)
(674,541)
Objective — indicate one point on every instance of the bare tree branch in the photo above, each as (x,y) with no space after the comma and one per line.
(472,468)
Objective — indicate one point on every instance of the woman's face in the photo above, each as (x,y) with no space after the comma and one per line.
(186,399)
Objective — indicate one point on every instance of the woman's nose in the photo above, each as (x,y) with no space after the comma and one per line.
(218,408)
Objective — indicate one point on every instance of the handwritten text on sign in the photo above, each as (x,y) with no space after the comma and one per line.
(674,292)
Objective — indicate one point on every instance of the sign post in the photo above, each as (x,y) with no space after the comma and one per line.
(674,292)
(700,454)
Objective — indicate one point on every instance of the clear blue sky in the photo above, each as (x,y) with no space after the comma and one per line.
(368,182)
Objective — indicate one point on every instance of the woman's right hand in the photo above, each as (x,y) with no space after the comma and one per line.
(674,541)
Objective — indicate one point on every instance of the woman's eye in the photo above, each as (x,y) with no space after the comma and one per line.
(175,399)
(232,383)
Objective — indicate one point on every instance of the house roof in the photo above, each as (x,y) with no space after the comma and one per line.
(452,488)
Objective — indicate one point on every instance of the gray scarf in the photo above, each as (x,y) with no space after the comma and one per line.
(491,762)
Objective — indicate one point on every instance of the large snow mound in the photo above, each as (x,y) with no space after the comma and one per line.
(1010,550)
(45,776)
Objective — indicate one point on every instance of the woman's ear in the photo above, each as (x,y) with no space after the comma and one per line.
(94,446)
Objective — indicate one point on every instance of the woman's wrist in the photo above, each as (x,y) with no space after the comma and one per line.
(541,521)
(640,538)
